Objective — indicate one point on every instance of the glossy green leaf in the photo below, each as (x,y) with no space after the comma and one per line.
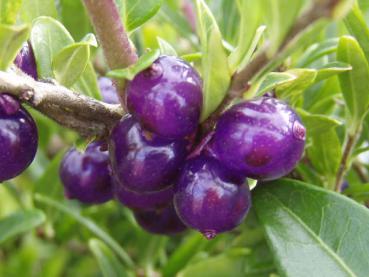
(9,10)
(49,37)
(332,69)
(11,41)
(31,9)
(20,222)
(228,264)
(108,263)
(74,17)
(279,16)
(354,83)
(137,12)
(166,48)
(130,72)
(317,51)
(312,231)
(89,224)
(250,12)
(316,123)
(273,80)
(70,63)
(215,69)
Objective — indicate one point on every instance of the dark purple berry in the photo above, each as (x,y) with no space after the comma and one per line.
(167,98)
(210,198)
(108,91)
(143,201)
(263,139)
(25,60)
(163,221)
(18,138)
(142,161)
(86,176)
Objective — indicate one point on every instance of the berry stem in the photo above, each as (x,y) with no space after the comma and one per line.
(111,33)
(83,114)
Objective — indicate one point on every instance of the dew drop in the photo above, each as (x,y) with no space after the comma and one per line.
(209,234)
(299,131)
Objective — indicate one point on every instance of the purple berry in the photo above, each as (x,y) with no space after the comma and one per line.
(18,138)
(86,176)
(210,198)
(263,139)
(163,221)
(143,201)
(142,161)
(25,61)
(167,97)
(108,90)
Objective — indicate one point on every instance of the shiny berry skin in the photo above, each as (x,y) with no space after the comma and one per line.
(142,161)
(167,97)
(143,201)
(86,176)
(263,139)
(162,221)
(18,138)
(25,60)
(108,91)
(210,198)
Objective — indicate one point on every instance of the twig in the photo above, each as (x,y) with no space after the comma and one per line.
(105,17)
(361,172)
(83,114)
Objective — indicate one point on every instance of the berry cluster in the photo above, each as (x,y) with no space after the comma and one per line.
(18,131)
(151,163)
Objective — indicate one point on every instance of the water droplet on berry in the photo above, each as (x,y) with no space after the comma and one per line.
(209,234)
(299,131)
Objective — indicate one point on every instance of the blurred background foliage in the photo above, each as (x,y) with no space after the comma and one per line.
(71,239)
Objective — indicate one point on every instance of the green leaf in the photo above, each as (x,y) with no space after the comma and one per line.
(31,9)
(166,48)
(316,123)
(89,224)
(74,17)
(108,263)
(9,10)
(317,51)
(20,222)
(70,63)
(11,41)
(215,69)
(228,264)
(250,12)
(279,17)
(356,25)
(354,83)
(49,37)
(130,72)
(312,231)
(273,80)
(332,69)
(137,12)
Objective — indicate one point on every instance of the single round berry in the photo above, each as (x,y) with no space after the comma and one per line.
(142,161)
(108,91)
(162,221)
(210,198)
(167,98)
(86,176)
(18,138)
(263,139)
(143,201)
(25,60)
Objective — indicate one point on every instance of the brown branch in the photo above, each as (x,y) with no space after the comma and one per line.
(83,114)
(105,18)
